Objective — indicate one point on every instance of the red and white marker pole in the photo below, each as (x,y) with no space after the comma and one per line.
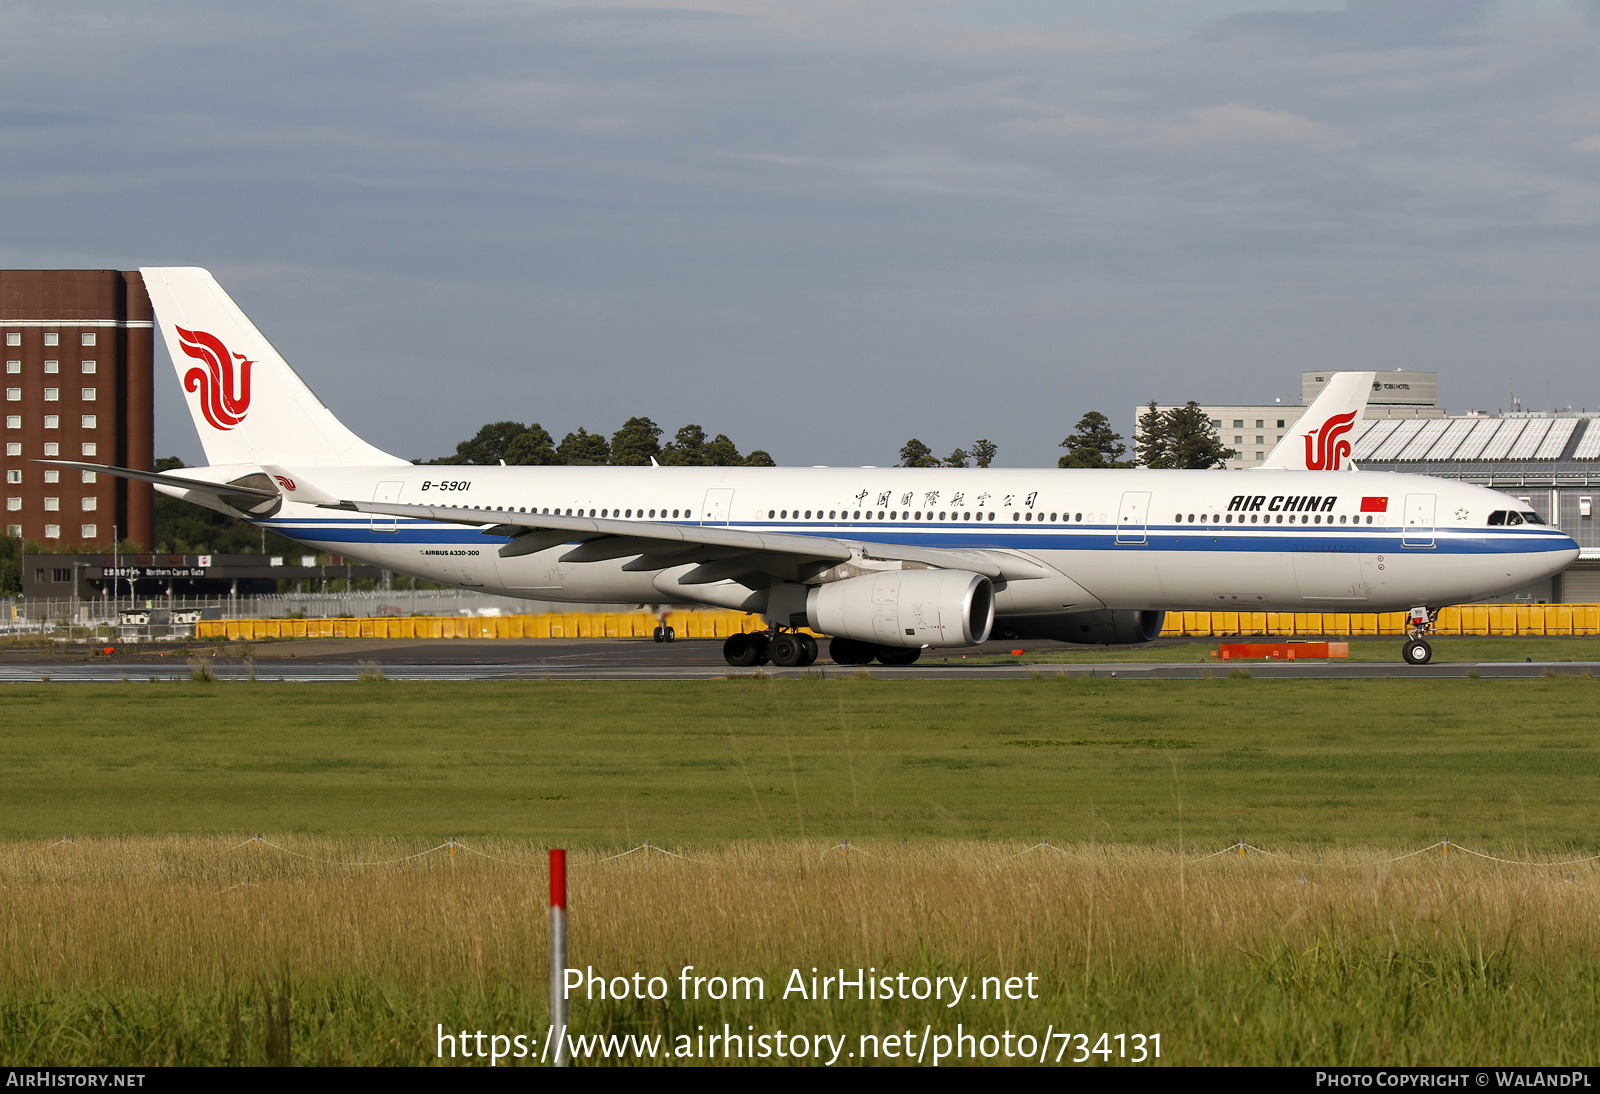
(558,954)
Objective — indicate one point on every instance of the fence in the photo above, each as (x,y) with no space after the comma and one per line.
(88,611)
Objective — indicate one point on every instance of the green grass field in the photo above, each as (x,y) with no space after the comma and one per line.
(1387,762)
(154,937)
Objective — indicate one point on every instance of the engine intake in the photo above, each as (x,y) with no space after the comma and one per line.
(906,608)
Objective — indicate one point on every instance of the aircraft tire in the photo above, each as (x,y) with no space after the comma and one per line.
(668,634)
(1418,652)
(898,655)
(847,651)
(659,634)
(810,654)
(787,651)
(740,651)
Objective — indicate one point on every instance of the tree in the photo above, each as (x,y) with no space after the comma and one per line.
(722,452)
(10,566)
(1192,439)
(958,458)
(583,448)
(1182,437)
(489,445)
(916,454)
(758,458)
(1151,443)
(635,443)
(534,448)
(984,451)
(686,449)
(1093,444)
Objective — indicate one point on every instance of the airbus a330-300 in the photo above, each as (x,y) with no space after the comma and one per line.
(885,561)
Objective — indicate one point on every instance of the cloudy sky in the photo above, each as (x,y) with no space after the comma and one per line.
(824,227)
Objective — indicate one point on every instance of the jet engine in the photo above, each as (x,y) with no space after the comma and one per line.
(1110,628)
(905,608)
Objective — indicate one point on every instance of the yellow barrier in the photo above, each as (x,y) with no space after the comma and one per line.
(708,624)
(1479,619)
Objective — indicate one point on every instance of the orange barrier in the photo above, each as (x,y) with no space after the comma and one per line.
(1281,651)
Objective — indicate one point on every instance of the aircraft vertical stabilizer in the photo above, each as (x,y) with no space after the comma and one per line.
(1320,440)
(248,405)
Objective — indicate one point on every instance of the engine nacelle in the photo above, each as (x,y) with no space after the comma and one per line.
(906,608)
(1110,628)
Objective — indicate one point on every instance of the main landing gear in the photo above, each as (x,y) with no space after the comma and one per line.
(791,649)
(1418,623)
(786,649)
(847,651)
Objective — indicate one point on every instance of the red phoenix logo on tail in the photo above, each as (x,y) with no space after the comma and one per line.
(1331,448)
(223,386)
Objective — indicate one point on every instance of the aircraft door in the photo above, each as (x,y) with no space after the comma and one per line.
(386,493)
(718,506)
(1133,517)
(1329,575)
(1418,520)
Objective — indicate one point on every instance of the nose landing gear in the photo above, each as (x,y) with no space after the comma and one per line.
(1418,623)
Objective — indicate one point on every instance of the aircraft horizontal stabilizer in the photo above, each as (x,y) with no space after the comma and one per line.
(252,495)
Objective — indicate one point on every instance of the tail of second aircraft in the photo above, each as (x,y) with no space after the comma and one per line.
(248,405)
(1321,439)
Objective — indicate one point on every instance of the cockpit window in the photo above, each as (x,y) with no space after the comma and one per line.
(1513,518)
(1497,518)
(1532,518)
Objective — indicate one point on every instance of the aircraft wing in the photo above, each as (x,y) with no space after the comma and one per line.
(718,552)
(721,552)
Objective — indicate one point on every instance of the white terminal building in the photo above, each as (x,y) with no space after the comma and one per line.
(1549,459)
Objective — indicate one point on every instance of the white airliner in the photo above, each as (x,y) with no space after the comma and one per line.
(887,561)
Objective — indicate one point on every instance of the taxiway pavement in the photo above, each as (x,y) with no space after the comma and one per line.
(688,659)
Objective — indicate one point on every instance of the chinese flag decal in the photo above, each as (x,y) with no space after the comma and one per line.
(1374,505)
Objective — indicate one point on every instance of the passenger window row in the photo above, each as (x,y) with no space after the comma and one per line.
(918,515)
(635,514)
(858,514)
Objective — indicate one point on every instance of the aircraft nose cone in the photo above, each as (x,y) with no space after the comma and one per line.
(1565,555)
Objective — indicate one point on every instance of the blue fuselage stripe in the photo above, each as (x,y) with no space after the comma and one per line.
(1086,537)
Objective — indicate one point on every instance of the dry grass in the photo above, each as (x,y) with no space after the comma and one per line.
(1341,958)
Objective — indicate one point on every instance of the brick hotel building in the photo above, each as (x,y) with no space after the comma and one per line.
(79,348)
